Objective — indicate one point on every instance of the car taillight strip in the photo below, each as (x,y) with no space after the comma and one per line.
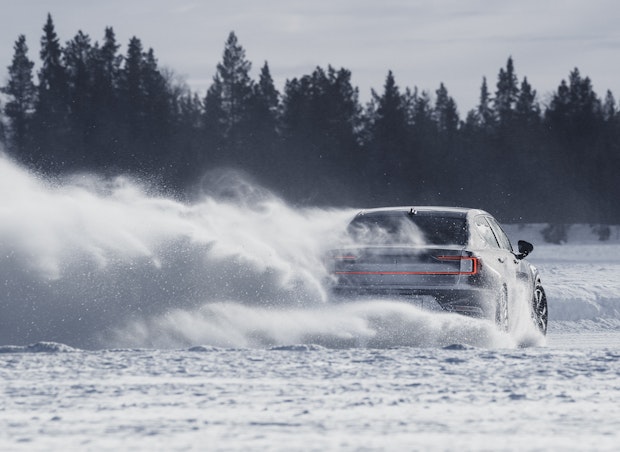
(473,260)
(472,271)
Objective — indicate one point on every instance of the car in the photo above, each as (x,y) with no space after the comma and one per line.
(451,259)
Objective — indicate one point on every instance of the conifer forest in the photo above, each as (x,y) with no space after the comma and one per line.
(89,108)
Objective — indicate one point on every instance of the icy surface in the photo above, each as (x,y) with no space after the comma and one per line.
(137,322)
(559,397)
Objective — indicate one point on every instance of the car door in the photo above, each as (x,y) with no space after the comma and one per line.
(494,256)
(515,275)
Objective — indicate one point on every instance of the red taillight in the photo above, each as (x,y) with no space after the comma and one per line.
(469,264)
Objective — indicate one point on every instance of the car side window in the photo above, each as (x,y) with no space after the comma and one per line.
(485,231)
(502,238)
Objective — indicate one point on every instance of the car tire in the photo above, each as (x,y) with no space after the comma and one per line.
(501,310)
(539,309)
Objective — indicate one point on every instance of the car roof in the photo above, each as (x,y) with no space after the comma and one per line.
(455,212)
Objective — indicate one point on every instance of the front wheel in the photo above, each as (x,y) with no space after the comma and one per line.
(539,309)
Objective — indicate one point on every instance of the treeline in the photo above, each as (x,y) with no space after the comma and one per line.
(95,109)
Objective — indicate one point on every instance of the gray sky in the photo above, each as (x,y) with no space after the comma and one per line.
(423,42)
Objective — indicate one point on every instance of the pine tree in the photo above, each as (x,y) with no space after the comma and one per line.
(229,104)
(267,94)
(214,125)
(585,103)
(320,115)
(610,108)
(21,92)
(390,118)
(527,110)
(336,109)
(157,105)
(346,108)
(575,123)
(132,109)
(105,95)
(445,113)
(52,76)
(485,115)
(507,94)
(424,131)
(78,61)
(237,87)
(559,109)
(132,87)
(52,108)
(528,159)
(108,63)
(444,152)
(390,142)
(575,110)
(479,148)
(263,124)
(146,108)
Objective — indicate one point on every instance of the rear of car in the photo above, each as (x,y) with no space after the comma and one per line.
(425,254)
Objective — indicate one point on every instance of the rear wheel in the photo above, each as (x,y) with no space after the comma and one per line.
(501,311)
(539,309)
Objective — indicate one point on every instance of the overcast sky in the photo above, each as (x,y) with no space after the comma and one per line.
(423,42)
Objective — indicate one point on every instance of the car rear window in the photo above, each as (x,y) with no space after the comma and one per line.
(406,228)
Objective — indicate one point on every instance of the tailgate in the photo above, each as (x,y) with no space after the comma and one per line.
(402,266)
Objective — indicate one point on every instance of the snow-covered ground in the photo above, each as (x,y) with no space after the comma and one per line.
(134,321)
(582,276)
(312,398)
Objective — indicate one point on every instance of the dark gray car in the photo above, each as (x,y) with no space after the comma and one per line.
(454,259)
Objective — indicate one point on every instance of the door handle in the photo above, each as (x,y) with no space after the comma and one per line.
(501,259)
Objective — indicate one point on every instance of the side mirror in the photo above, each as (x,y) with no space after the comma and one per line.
(525,248)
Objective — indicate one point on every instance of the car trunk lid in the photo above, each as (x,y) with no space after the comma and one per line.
(402,265)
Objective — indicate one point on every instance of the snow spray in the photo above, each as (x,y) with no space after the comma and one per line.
(97,263)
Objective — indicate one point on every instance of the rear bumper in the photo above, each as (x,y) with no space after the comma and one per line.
(466,300)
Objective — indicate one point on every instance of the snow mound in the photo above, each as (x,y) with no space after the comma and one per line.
(204,349)
(39,347)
